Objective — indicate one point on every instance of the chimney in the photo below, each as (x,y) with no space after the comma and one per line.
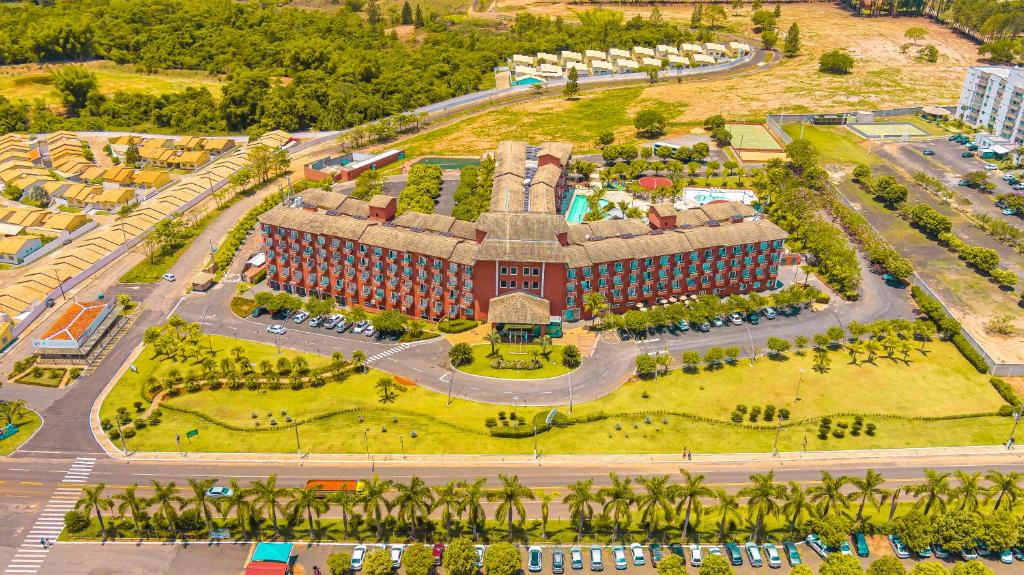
(383,208)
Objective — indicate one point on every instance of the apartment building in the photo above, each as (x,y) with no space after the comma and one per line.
(521,256)
(991,100)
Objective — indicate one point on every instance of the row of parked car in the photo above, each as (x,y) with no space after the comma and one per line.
(336,322)
(1006,556)
(735,318)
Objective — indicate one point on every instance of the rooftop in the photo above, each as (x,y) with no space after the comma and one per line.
(71,325)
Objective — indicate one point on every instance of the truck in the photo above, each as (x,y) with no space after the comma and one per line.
(326,487)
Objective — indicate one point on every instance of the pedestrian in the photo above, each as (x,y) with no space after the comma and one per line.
(42,542)
(689,455)
(49,542)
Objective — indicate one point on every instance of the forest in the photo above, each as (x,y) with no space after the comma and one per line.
(286,68)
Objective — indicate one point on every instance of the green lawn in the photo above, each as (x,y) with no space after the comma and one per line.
(17,83)
(27,424)
(680,410)
(482,358)
(836,144)
(48,378)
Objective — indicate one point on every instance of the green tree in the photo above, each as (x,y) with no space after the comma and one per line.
(572,84)
(202,505)
(418,559)
(75,85)
(688,495)
(955,530)
(502,558)
(887,565)
(131,505)
(92,497)
(791,47)
(388,390)
(968,491)
(835,62)
(472,496)
(377,562)
(1005,487)
(762,496)
(769,38)
(375,501)
(797,500)
(970,568)
(839,564)
(833,530)
(1000,531)
(460,354)
(339,563)
(618,499)
(933,491)
(413,502)
(915,34)
(868,489)
(510,497)
(167,501)
(460,557)
(307,500)
(655,502)
(649,122)
(828,494)
(545,497)
(389,322)
(929,568)
(406,13)
(714,565)
(267,497)
(672,564)
(580,500)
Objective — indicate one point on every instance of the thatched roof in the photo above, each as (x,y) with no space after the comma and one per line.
(519,307)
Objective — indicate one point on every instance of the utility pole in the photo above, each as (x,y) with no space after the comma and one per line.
(120,434)
(570,393)
(366,441)
(401,442)
(298,446)
(1016,420)
(451,378)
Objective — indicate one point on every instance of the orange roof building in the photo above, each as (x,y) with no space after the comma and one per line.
(74,326)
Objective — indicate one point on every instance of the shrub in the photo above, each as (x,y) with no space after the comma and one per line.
(76,521)
(869,429)
(835,62)
(571,356)
(490,422)
(969,353)
(1005,391)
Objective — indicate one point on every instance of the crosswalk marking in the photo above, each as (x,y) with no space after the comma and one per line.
(30,555)
(393,350)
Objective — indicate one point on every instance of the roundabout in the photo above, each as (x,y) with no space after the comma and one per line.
(517,362)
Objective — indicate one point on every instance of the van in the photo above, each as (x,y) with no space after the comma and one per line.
(596,560)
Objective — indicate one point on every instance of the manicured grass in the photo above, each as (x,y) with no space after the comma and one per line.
(482,358)
(836,144)
(752,136)
(457,325)
(20,83)
(48,378)
(680,410)
(27,424)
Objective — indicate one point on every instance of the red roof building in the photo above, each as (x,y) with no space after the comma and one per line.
(75,325)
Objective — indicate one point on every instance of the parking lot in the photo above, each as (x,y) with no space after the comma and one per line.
(948,166)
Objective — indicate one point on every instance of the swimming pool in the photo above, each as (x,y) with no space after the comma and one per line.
(705,195)
(578,208)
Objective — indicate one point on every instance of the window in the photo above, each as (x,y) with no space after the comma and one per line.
(602,269)
(512,271)
(586,286)
(572,273)
(536,271)
(634,264)
(526,271)
(587,271)
(512,284)
(618,267)
(504,270)
(306,237)
(707,254)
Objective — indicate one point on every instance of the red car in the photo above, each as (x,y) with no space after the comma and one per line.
(438,553)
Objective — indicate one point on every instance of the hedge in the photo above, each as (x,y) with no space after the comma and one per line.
(969,353)
(1005,391)
(948,326)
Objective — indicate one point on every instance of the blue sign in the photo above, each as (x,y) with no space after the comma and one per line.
(8,430)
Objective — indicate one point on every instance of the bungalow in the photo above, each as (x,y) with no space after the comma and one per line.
(188,144)
(72,165)
(594,55)
(601,68)
(716,50)
(156,154)
(651,62)
(692,48)
(702,59)
(92,174)
(625,65)
(545,57)
(23,216)
(522,60)
(550,71)
(566,56)
(192,160)
(580,67)
(121,176)
(678,62)
(739,48)
(151,179)
(112,198)
(641,52)
(523,72)
(81,195)
(615,53)
(217,146)
(66,223)
(56,189)
(14,249)
(665,50)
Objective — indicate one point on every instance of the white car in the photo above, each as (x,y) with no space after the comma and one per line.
(396,555)
(277,329)
(360,326)
(771,552)
(479,555)
(300,317)
(358,553)
(695,556)
(168,277)
(369,331)
(991,167)
(637,550)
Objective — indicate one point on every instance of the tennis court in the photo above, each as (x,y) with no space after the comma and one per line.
(884,130)
(752,137)
(450,163)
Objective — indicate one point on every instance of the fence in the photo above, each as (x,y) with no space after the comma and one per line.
(774,121)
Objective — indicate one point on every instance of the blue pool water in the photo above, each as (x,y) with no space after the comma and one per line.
(578,208)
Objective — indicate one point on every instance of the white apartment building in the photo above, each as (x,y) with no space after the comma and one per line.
(991,100)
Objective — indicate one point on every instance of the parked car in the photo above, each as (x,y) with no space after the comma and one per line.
(1018,553)
(736,318)
(967,155)
(1009,212)
(576,557)
(732,550)
(814,543)
(754,318)
(983,549)
(168,277)
(771,554)
(1006,556)
(218,491)
(925,553)
(861,544)
(438,553)
(343,326)
(358,554)
(704,327)
(768,312)
(637,550)
(332,321)
(619,555)
(715,550)
(844,548)
(677,549)
(753,554)
(717,322)
(898,547)
(396,555)
(939,551)
(557,561)
(696,559)
(928,152)
(623,334)
(655,554)
(300,317)
(479,555)
(316,321)
(792,555)
(258,311)
(535,562)
(990,167)
(361,326)
(277,329)
(596,558)
(682,325)
(369,331)
(969,554)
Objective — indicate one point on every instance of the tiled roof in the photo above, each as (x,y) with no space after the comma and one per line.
(71,325)
(519,307)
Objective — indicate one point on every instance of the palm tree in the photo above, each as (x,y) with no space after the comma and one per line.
(166,497)
(449,499)
(308,500)
(618,500)
(1004,485)
(413,501)
(968,490)
(655,502)
(93,497)
(581,499)
(129,501)
(894,497)
(933,491)
(374,501)
(688,494)
(762,498)
(829,493)
(11,410)
(199,501)
(472,495)
(238,501)
(546,497)
(728,508)
(594,303)
(493,337)
(510,497)
(266,497)
(346,502)
(868,490)
(796,501)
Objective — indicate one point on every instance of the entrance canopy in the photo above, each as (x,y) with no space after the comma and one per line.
(519,308)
